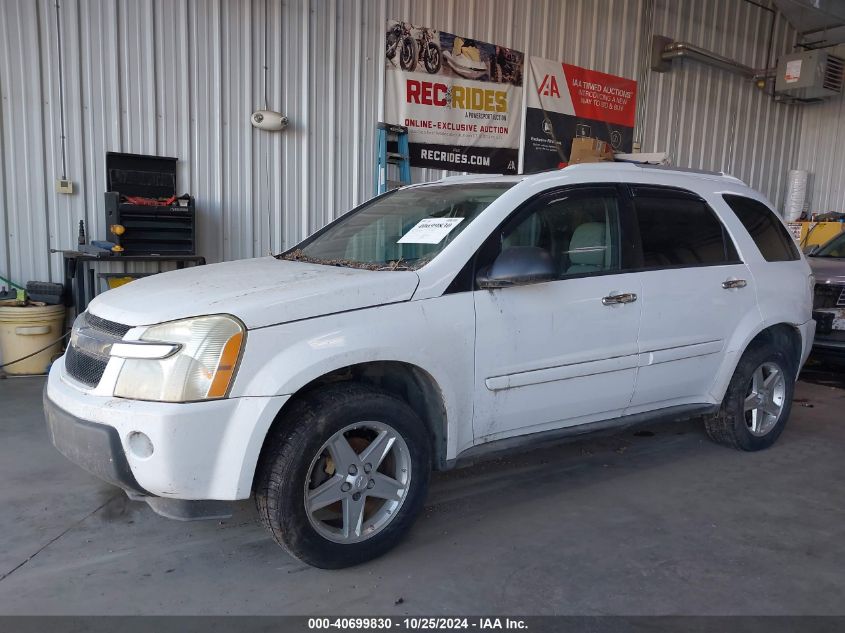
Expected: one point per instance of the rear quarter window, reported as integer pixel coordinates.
(769, 234)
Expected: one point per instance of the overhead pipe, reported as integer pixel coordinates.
(773, 15)
(664, 50)
(674, 50)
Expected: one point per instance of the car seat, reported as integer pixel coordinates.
(588, 250)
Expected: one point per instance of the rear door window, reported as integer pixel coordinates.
(767, 231)
(678, 229)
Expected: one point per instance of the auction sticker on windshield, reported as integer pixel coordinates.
(430, 231)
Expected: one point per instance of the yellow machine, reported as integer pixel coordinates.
(811, 233)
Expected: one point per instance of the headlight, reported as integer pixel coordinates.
(201, 365)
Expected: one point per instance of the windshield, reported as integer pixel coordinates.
(834, 248)
(402, 230)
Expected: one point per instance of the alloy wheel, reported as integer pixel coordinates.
(765, 399)
(357, 482)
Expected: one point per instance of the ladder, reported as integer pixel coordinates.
(401, 158)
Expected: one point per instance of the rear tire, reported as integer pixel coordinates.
(758, 401)
(331, 507)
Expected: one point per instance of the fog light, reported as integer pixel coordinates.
(140, 445)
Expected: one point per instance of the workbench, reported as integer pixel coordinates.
(79, 271)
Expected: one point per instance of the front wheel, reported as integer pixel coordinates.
(432, 58)
(344, 476)
(758, 400)
(408, 54)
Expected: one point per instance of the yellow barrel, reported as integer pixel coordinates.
(26, 330)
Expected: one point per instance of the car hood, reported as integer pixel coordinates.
(260, 292)
(830, 270)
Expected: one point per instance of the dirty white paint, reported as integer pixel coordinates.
(537, 358)
(181, 77)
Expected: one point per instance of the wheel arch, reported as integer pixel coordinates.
(786, 336)
(410, 383)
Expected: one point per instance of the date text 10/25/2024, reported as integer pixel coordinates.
(417, 623)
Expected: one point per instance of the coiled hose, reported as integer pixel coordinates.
(48, 346)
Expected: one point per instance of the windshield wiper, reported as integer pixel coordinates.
(299, 256)
(398, 264)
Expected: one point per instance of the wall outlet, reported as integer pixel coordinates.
(64, 186)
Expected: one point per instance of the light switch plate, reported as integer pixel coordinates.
(64, 186)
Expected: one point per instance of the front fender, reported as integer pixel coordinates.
(437, 335)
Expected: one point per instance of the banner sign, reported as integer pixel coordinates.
(566, 101)
(461, 99)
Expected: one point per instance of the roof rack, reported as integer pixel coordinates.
(689, 170)
(482, 177)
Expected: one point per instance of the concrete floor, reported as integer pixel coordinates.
(662, 524)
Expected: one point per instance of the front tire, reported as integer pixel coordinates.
(432, 58)
(408, 54)
(758, 400)
(343, 476)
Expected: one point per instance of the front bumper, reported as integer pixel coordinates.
(200, 450)
(97, 449)
(94, 447)
(829, 343)
(808, 332)
(830, 346)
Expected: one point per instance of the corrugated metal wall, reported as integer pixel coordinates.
(821, 153)
(712, 119)
(181, 77)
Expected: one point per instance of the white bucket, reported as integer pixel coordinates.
(796, 194)
(26, 330)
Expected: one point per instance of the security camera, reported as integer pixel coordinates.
(268, 120)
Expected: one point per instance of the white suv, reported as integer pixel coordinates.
(427, 327)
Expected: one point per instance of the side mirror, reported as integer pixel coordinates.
(809, 251)
(519, 266)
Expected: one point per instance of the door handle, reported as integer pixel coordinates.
(625, 297)
(730, 284)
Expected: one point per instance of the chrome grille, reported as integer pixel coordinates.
(88, 365)
(117, 330)
(83, 367)
(841, 301)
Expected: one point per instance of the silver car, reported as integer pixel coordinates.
(828, 264)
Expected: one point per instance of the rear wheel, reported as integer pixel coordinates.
(758, 400)
(344, 476)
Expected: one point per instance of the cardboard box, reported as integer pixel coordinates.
(589, 150)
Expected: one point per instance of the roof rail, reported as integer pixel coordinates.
(460, 177)
(469, 177)
(689, 170)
